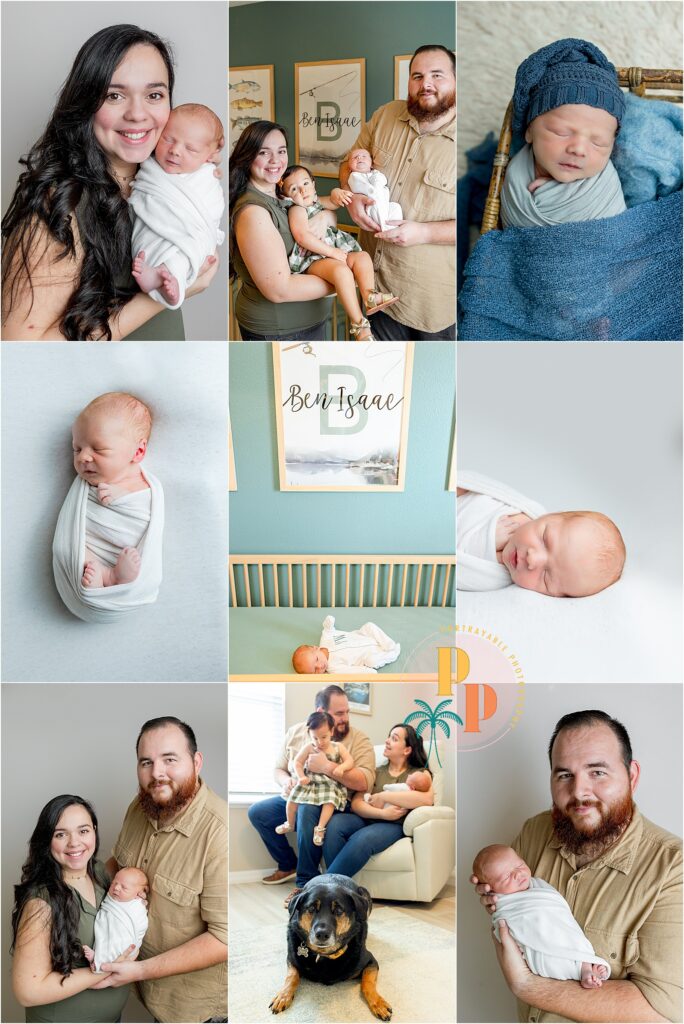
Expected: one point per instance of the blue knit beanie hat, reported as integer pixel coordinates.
(567, 71)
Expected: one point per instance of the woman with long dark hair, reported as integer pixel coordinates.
(66, 261)
(383, 815)
(62, 886)
(272, 302)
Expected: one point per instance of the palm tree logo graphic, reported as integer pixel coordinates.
(437, 718)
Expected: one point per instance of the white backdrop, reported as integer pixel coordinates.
(183, 635)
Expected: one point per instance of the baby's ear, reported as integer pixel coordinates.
(140, 450)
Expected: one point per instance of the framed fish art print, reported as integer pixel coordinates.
(251, 97)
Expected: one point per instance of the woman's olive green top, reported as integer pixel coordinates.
(88, 1007)
(252, 310)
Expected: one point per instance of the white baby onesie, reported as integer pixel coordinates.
(118, 925)
(374, 185)
(357, 650)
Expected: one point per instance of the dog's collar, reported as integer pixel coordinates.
(304, 950)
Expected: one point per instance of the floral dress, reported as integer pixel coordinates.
(322, 789)
(300, 259)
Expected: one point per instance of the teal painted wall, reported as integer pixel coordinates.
(283, 33)
(421, 519)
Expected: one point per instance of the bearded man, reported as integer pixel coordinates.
(621, 875)
(413, 143)
(176, 832)
(266, 814)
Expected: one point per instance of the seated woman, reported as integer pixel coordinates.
(273, 302)
(384, 812)
(66, 259)
(61, 889)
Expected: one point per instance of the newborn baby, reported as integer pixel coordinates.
(358, 650)
(539, 919)
(110, 441)
(417, 782)
(568, 105)
(178, 204)
(121, 920)
(560, 554)
(369, 182)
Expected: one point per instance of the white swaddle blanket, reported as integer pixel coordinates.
(362, 650)
(549, 937)
(374, 185)
(117, 926)
(477, 513)
(556, 202)
(176, 221)
(108, 529)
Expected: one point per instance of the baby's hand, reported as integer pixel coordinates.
(106, 493)
(341, 196)
(89, 954)
(506, 527)
(541, 180)
(340, 255)
(337, 772)
(306, 781)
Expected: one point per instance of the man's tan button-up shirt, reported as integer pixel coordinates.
(357, 743)
(186, 864)
(628, 903)
(421, 175)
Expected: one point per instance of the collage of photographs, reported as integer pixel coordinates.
(401, 450)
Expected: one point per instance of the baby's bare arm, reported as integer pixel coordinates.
(347, 762)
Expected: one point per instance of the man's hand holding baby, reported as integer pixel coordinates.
(517, 974)
(357, 209)
(484, 891)
(404, 233)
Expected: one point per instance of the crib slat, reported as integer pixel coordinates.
(247, 586)
(403, 586)
(445, 588)
(333, 596)
(306, 588)
(432, 584)
(389, 584)
(420, 575)
(261, 585)
(318, 583)
(233, 587)
(363, 573)
(375, 585)
(289, 581)
(346, 586)
(275, 585)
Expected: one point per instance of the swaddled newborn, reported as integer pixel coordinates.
(504, 538)
(121, 921)
(357, 650)
(539, 919)
(568, 104)
(367, 181)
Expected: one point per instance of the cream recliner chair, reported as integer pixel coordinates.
(417, 866)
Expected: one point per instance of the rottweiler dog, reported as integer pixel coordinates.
(326, 941)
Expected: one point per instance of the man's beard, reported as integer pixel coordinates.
(182, 794)
(613, 823)
(340, 731)
(433, 112)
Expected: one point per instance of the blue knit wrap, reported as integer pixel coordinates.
(567, 71)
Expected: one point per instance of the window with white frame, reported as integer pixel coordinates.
(256, 729)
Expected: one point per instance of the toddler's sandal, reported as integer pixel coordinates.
(363, 325)
(284, 828)
(319, 835)
(378, 300)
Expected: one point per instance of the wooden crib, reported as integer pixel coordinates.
(665, 84)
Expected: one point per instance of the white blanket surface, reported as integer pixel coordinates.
(83, 520)
(549, 937)
(118, 925)
(362, 650)
(176, 220)
(477, 513)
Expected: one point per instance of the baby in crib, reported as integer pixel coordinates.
(416, 782)
(367, 181)
(560, 554)
(338, 257)
(121, 920)
(568, 107)
(178, 204)
(355, 651)
(109, 442)
(539, 919)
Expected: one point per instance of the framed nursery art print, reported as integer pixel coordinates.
(401, 71)
(250, 98)
(330, 107)
(342, 414)
(359, 696)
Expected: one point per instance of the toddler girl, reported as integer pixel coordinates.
(338, 259)
(323, 791)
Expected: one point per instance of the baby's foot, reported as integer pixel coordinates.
(284, 828)
(593, 975)
(93, 575)
(127, 566)
(169, 288)
(106, 493)
(148, 277)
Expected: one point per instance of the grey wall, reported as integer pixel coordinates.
(81, 739)
(502, 785)
(39, 43)
(183, 635)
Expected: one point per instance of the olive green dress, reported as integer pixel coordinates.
(252, 310)
(88, 1007)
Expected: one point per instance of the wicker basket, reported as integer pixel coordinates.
(656, 85)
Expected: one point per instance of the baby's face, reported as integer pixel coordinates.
(126, 885)
(360, 161)
(321, 737)
(552, 555)
(299, 187)
(185, 144)
(572, 142)
(104, 446)
(507, 873)
(313, 661)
